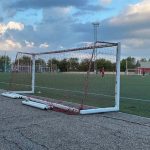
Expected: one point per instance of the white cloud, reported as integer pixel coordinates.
(61, 47)
(141, 7)
(105, 2)
(29, 44)
(10, 45)
(11, 26)
(135, 47)
(81, 44)
(133, 42)
(57, 12)
(131, 27)
(65, 10)
(15, 26)
(143, 33)
(80, 55)
(44, 45)
(133, 14)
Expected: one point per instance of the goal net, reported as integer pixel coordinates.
(68, 76)
(21, 74)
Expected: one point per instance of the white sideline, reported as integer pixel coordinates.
(57, 89)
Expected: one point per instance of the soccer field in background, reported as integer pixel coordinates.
(135, 94)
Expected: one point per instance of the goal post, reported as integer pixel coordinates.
(33, 73)
(74, 82)
(134, 71)
(117, 89)
(23, 68)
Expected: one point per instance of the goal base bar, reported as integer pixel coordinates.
(51, 105)
(42, 104)
(98, 110)
(23, 92)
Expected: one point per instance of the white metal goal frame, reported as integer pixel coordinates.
(135, 71)
(98, 44)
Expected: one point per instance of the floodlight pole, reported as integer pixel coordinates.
(95, 25)
(5, 62)
(126, 66)
(51, 66)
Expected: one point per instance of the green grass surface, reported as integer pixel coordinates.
(137, 88)
(72, 87)
(135, 93)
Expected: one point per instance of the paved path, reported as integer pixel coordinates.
(27, 128)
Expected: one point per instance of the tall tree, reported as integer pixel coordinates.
(73, 64)
(24, 60)
(5, 63)
(53, 64)
(143, 60)
(138, 63)
(84, 65)
(131, 62)
(107, 64)
(40, 62)
(63, 65)
(123, 65)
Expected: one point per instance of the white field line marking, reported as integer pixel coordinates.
(135, 99)
(97, 94)
(73, 91)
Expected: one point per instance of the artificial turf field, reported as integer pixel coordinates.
(135, 94)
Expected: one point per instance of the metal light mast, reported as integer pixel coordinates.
(95, 26)
(5, 63)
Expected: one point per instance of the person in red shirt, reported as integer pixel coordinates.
(102, 72)
(143, 72)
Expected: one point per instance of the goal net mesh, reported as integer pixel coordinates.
(135, 71)
(70, 77)
(21, 73)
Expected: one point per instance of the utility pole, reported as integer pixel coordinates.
(51, 66)
(126, 67)
(95, 26)
(5, 62)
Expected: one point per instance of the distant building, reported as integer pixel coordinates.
(144, 68)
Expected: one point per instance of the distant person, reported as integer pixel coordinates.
(143, 72)
(102, 72)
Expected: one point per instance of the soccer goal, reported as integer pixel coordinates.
(134, 71)
(67, 77)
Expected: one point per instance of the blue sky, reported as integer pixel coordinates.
(34, 25)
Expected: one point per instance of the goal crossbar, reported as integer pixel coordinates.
(97, 44)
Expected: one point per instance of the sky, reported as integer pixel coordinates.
(38, 26)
